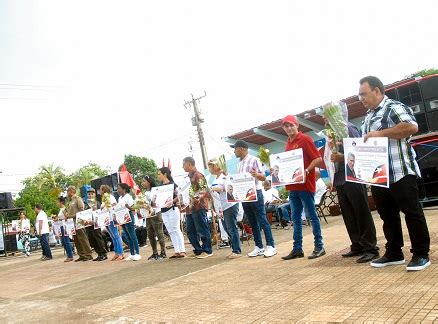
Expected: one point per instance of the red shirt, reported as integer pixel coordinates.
(310, 153)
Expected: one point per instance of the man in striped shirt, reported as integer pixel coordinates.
(255, 211)
(393, 119)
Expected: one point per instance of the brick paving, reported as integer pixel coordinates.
(258, 290)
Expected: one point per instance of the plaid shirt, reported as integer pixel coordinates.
(198, 189)
(249, 163)
(388, 114)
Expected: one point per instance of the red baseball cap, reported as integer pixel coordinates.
(289, 119)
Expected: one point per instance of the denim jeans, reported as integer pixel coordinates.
(256, 214)
(230, 218)
(129, 229)
(198, 227)
(44, 240)
(300, 200)
(283, 212)
(66, 243)
(115, 237)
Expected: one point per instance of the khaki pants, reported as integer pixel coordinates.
(155, 229)
(81, 243)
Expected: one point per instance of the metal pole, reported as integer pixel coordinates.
(200, 133)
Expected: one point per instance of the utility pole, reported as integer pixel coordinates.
(197, 120)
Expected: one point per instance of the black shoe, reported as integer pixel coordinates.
(352, 254)
(224, 245)
(89, 258)
(367, 257)
(316, 253)
(153, 257)
(417, 264)
(162, 255)
(294, 255)
(80, 259)
(104, 257)
(97, 258)
(385, 261)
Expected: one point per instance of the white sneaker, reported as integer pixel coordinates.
(256, 252)
(270, 251)
(130, 258)
(136, 257)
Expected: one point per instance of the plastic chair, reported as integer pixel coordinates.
(320, 207)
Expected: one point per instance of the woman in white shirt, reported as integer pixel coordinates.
(111, 228)
(125, 200)
(171, 217)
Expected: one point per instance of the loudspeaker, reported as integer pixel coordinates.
(422, 123)
(432, 118)
(111, 180)
(5, 200)
(429, 88)
(11, 243)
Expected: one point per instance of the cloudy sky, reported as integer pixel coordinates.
(88, 81)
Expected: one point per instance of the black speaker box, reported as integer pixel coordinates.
(11, 243)
(429, 88)
(5, 200)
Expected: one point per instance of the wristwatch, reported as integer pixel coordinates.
(307, 171)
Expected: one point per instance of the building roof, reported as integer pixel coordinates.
(355, 110)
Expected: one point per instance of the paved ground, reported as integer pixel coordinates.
(329, 289)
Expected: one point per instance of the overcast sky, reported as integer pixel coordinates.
(88, 81)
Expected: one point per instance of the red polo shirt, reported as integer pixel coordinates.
(310, 153)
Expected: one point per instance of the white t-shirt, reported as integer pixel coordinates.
(220, 182)
(319, 191)
(270, 195)
(43, 217)
(126, 199)
(61, 213)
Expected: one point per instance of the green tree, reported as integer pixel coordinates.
(139, 167)
(423, 73)
(87, 173)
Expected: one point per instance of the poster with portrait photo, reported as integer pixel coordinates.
(84, 218)
(368, 162)
(120, 215)
(241, 188)
(56, 226)
(183, 183)
(162, 196)
(69, 227)
(101, 218)
(287, 167)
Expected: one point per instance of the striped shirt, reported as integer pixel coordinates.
(249, 163)
(388, 114)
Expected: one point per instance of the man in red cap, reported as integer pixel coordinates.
(301, 196)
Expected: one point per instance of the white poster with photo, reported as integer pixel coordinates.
(120, 215)
(162, 196)
(183, 183)
(241, 188)
(25, 225)
(145, 213)
(56, 226)
(101, 218)
(84, 218)
(69, 227)
(368, 162)
(287, 167)
(15, 226)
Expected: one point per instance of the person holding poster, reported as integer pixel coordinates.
(154, 222)
(229, 210)
(65, 240)
(125, 200)
(95, 234)
(353, 200)
(301, 195)
(171, 215)
(196, 212)
(109, 201)
(75, 205)
(255, 211)
(42, 230)
(396, 121)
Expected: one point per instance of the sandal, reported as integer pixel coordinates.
(120, 258)
(175, 256)
(115, 257)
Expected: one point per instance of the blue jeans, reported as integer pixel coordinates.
(66, 243)
(256, 214)
(283, 212)
(300, 200)
(44, 240)
(230, 218)
(198, 227)
(129, 229)
(115, 237)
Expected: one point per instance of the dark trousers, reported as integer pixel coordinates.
(198, 228)
(357, 217)
(402, 196)
(154, 226)
(81, 243)
(142, 235)
(44, 240)
(96, 240)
